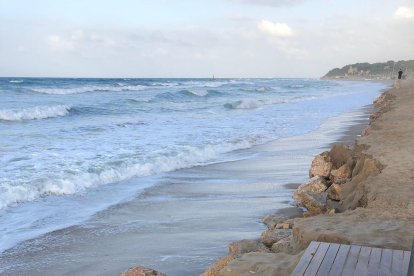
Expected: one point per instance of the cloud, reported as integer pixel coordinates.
(274, 3)
(275, 29)
(404, 13)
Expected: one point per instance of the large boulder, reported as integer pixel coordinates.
(141, 271)
(245, 246)
(321, 166)
(269, 237)
(341, 175)
(315, 185)
(334, 192)
(272, 220)
(316, 203)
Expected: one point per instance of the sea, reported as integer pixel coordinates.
(98, 175)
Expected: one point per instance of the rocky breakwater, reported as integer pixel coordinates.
(333, 175)
(360, 194)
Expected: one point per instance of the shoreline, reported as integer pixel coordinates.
(266, 166)
(373, 208)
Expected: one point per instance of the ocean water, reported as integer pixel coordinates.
(71, 148)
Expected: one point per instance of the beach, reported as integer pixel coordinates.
(375, 206)
(180, 221)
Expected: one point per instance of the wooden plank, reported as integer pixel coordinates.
(386, 261)
(328, 260)
(317, 259)
(397, 263)
(306, 259)
(340, 259)
(406, 262)
(351, 260)
(374, 261)
(363, 259)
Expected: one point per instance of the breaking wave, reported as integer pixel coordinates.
(244, 104)
(68, 183)
(33, 113)
(198, 93)
(85, 89)
(16, 81)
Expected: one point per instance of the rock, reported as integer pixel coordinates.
(284, 245)
(217, 266)
(141, 271)
(272, 220)
(379, 101)
(341, 174)
(283, 226)
(365, 166)
(321, 166)
(310, 214)
(334, 192)
(246, 246)
(331, 212)
(315, 185)
(269, 237)
(313, 202)
(339, 155)
(340, 181)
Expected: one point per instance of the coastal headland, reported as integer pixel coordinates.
(357, 194)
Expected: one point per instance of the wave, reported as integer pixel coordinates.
(33, 113)
(244, 104)
(69, 183)
(198, 93)
(16, 81)
(91, 88)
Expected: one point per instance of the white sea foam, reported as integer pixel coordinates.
(89, 88)
(68, 183)
(16, 81)
(32, 113)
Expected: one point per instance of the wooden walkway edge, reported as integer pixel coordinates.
(321, 258)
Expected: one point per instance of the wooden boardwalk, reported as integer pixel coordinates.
(323, 258)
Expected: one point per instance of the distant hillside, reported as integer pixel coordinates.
(381, 70)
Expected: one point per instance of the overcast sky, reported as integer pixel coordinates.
(199, 38)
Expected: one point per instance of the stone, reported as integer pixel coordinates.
(315, 185)
(283, 226)
(218, 265)
(141, 271)
(313, 202)
(269, 237)
(341, 174)
(245, 246)
(321, 166)
(334, 192)
(272, 220)
(339, 155)
(284, 245)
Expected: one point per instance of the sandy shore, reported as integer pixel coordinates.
(375, 205)
(183, 222)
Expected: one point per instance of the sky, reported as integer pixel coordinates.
(199, 38)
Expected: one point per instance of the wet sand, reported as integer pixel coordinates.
(184, 222)
(375, 206)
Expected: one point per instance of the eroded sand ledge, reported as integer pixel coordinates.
(374, 205)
